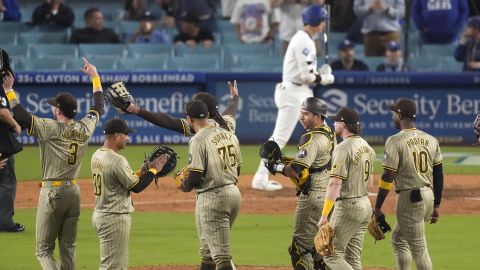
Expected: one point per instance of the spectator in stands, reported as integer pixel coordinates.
(94, 32)
(439, 21)
(191, 34)
(10, 10)
(255, 21)
(166, 10)
(134, 10)
(53, 13)
(393, 59)
(146, 32)
(380, 23)
(468, 50)
(342, 15)
(346, 58)
(227, 8)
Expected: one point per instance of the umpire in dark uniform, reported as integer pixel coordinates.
(8, 147)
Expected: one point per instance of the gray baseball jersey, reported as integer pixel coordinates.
(62, 147)
(352, 163)
(412, 153)
(215, 152)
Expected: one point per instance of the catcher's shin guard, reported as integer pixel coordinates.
(296, 256)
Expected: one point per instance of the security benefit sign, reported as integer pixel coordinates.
(445, 112)
(154, 98)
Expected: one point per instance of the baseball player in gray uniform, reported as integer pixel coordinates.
(311, 167)
(113, 179)
(412, 160)
(352, 169)
(214, 166)
(62, 142)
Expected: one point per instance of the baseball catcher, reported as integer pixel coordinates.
(170, 164)
(117, 94)
(476, 127)
(378, 226)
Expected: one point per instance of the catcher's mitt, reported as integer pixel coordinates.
(324, 240)
(169, 165)
(117, 95)
(271, 154)
(476, 127)
(180, 176)
(378, 226)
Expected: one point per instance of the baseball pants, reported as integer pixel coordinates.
(288, 99)
(307, 214)
(349, 221)
(57, 216)
(113, 229)
(215, 213)
(8, 190)
(409, 231)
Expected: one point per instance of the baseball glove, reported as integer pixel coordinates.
(180, 176)
(117, 95)
(324, 240)
(378, 226)
(169, 165)
(271, 154)
(476, 127)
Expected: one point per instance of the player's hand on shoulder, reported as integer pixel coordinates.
(233, 88)
(89, 68)
(8, 81)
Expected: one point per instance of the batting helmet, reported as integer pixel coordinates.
(315, 105)
(314, 15)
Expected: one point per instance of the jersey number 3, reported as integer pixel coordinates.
(227, 154)
(72, 153)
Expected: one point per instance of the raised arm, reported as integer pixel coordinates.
(23, 117)
(160, 119)
(98, 100)
(232, 107)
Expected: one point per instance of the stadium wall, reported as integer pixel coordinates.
(447, 102)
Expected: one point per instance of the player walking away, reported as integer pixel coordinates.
(310, 171)
(62, 142)
(226, 120)
(214, 166)
(299, 74)
(113, 180)
(412, 158)
(352, 169)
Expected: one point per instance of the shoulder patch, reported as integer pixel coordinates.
(305, 139)
(306, 51)
(302, 153)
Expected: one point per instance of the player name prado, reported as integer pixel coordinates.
(220, 137)
(358, 155)
(75, 135)
(416, 141)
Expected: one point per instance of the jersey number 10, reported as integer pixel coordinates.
(421, 161)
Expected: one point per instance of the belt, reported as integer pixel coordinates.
(296, 83)
(349, 198)
(57, 183)
(408, 189)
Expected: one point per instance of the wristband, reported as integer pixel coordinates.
(385, 185)
(153, 170)
(138, 172)
(97, 84)
(11, 95)
(327, 207)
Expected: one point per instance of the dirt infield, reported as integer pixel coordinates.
(461, 196)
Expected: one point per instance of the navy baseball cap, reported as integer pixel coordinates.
(346, 115)
(474, 22)
(148, 16)
(345, 44)
(117, 126)
(66, 102)
(393, 46)
(196, 109)
(404, 106)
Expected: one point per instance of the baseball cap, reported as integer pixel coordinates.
(148, 16)
(404, 106)
(346, 115)
(474, 22)
(196, 109)
(345, 44)
(393, 46)
(66, 102)
(117, 126)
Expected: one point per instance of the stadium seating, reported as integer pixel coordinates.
(54, 51)
(40, 65)
(42, 38)
(12, 27)
(140, 50)
(8, 38)
(143, 64)
(16, 51)
(425, 64)
(254, 63)
(102, 50)
(182, 50)
(373, 62)
(208, 62)
(438, 50)
(449, 64)
(103, 64)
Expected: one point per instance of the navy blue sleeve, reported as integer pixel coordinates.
(460, 52)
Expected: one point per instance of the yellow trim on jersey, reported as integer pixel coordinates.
(338, 176)
(389, 168)
(438, 163)
(327, 207)
(30, 130)
(410, 129)
(196, 170)
(134, 184)
(385, 185)
(58, 183)
(95, 111)
(183, 126)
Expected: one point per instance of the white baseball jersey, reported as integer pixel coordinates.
(300, 58)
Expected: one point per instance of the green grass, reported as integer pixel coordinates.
(164, 238)
(28, 161)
